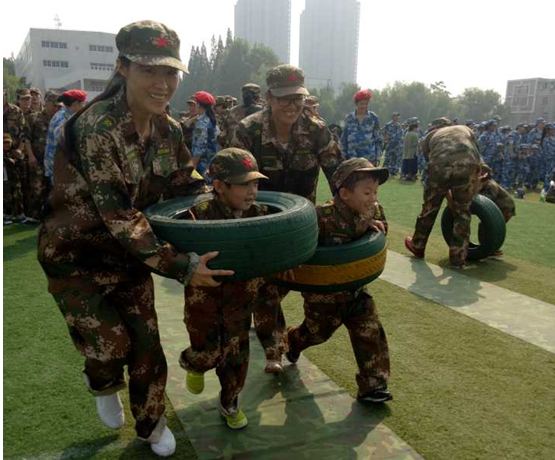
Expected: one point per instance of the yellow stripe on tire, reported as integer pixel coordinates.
(325, 275)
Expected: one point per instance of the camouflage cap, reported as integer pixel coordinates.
(348, 167)
(221, 100)
(313, 101)
(535, 147)
(251, 88)
(524, 146)
(34, 90)
(150, 43)
(540, 120)
(51, 96)
(550, 126)
(496, 118)
(285, 80)
(8, 138)
(23, 92)
(235, 166)
(395, 114)
(441, 122)
(491, 122)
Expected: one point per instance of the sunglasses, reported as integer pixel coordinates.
(286, 102)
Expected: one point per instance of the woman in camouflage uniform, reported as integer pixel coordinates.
(118, 155)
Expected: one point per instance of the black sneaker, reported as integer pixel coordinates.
(292, 357)
(376, 396)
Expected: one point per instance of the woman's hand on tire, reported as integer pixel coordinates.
(204, 276)
(377, 226)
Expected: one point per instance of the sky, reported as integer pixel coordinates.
(473, 43)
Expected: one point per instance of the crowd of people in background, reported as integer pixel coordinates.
(520, 158)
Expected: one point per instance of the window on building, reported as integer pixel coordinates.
(545, 101)
(110, 49)
(50, 44)
(48, 63)
(104, 67)
(521, 90)
(94, 85)
(63, 45)
(92, 47)
(45, 44)
(101, 48)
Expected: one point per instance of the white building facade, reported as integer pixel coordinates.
(67, 59)
(267, 22)
(328, 48)
(531, 98)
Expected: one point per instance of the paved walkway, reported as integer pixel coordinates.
(301, 413)
(521, 316)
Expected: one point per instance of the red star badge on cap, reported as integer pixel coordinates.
(292, 77)
(248, 163)
(161, 42)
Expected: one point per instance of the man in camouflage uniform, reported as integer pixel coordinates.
(487, 143)
(523, 168)
(38, 129)
(36, 103)
(393, 138)
(16, 125)
(220, 110)
(13, 195)
(512, 151)
(96, 246)
(218, 319)
(24, 100)
(339, 224)
(188, 122)
(290, 148)
(251, 104)
(454, 168)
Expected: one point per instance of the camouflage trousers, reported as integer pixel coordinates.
(522, 172)
(462, 181)
(218, 322)
(37, 191)
(509, 172)
(500, 197)
(113, 326)
(324, 315)
(13, 200)
(393, 160)
(269, 322)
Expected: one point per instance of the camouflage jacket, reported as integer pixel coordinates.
(337, 225)
(361, 139)
(488, 145)
(294, 167)
(441, 147)
(188, 126)
(393, 135)
(534, 136)
(234, 116)
(93, 229)
(15, 124)
(38, 130)
(237, 297)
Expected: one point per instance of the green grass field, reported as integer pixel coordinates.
(462, 389)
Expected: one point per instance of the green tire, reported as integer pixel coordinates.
(341, 268)
(492, 232)
(253, 247)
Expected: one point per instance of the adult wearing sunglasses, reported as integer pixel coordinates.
(290, 148)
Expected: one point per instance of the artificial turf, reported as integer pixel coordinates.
(462, 389)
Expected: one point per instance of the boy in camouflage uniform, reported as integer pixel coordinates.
(353, 212)
(454, 165)
(218, 319)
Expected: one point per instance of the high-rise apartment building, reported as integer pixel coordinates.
(67, 59)
(329, 42)
(267, 22)
(529, 99)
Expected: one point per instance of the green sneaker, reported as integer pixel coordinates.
(195, 383)
(237, 421)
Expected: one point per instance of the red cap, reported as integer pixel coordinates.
(76, 94)
(363, 95)
(202, 97)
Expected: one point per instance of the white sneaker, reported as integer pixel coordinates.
(110, 410)
(165, 445)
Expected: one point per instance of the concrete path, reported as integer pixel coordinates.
(301, 413)
(524, 317)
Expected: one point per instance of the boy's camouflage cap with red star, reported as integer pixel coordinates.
(235, 166)
(348, 167)
(285, 80)
(150, 43)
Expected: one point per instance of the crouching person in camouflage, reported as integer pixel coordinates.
(454, 168)
(119, 154)
(218, 319)
(353, 212)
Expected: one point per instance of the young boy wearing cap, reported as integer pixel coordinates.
(353, 212)
(218, 318)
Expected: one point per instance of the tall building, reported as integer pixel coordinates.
(267, 22)
(529, 99)
(329, 42)
(67, 59)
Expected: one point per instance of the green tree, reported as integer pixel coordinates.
(479, 104)
(344, 102)
(11, 82)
